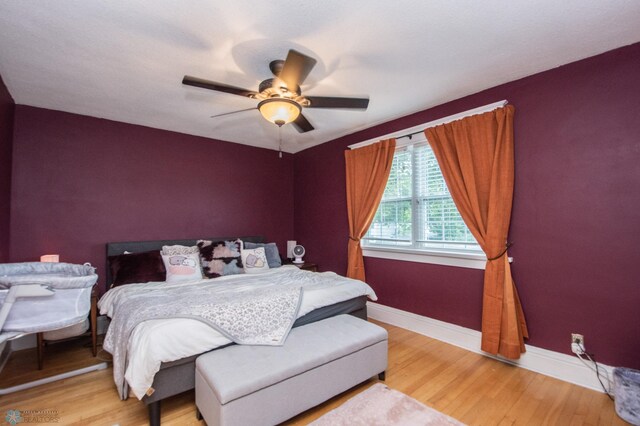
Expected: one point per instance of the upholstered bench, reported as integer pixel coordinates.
(266, 385)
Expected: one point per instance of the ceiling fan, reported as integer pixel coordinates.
(281, 100)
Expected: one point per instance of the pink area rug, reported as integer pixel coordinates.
(382, 406)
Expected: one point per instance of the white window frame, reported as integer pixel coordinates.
(469, 259)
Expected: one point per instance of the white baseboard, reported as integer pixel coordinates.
(25, 342)
(560, 366)
(7, 347)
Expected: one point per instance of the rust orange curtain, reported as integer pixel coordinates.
(368, 170)
(475, 155)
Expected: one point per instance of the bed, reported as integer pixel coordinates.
(176, 372)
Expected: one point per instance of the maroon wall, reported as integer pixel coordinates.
(80, 182)
(7, 107)
(575, 222)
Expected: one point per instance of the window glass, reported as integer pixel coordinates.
(417, 210)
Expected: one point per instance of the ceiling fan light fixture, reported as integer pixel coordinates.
(279, 111)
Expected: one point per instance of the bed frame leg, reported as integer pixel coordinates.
(154, 413)
(382, 376)
(198, 414)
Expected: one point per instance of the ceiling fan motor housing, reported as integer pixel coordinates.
(273, 87)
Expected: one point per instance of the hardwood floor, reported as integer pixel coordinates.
(474, 389)
(58, 358)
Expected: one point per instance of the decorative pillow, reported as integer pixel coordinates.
(254, 261)
(177, 249)
(136, 268)
(220, 257)
(182, 267)
(271, 251)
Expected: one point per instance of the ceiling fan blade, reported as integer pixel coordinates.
(212, 85)
(302, 124)
(333, 102)
(232, 112)
(296, 68)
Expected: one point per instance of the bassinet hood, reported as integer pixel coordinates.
(55, 275)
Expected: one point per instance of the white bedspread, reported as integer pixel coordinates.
(156, 341)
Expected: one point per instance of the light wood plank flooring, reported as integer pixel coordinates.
(474, 389)
(58, 358)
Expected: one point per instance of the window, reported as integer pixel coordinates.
(417, 212)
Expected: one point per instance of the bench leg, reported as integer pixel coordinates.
(382, 376)
(198, 414)
(154, 413)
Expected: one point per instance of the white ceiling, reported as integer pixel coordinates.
(124, 60)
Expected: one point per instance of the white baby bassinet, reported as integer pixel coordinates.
(41, 297)
(69, 304)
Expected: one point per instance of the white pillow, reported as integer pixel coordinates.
(182, 267)
(254, 261)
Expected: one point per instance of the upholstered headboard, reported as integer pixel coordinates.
(142, 246)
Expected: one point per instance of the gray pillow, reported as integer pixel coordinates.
(270, 250)
(178, 250)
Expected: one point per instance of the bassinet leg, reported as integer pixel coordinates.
(94, 320)
(154, 413)
(40, 349)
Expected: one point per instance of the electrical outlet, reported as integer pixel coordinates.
(577, 338)
(577, 343)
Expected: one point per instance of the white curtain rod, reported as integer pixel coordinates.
(420, 128)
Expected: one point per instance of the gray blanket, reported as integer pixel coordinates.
(262, 317)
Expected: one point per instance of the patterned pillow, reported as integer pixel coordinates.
(255, 261)
(178, 249)
(182, 267)
(220, 257)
